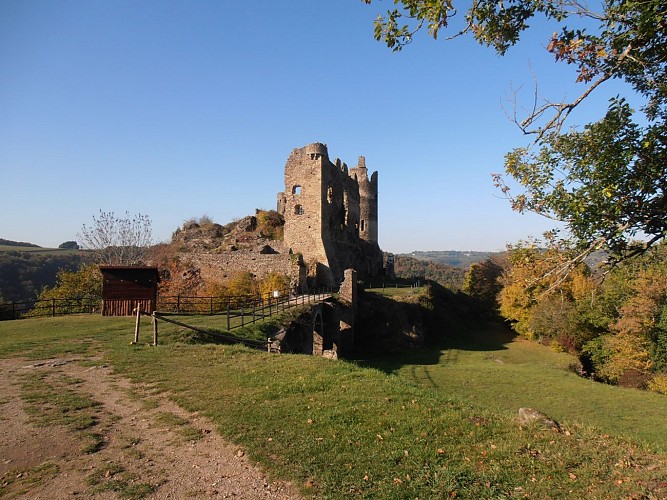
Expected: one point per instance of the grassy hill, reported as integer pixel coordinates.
(435, 422)
(26, 268)
(454, 258)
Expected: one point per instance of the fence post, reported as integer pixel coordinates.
(13, 310)
(270, 312)
(211, 306)
(53, 307)
(178, 304)
(253, 311)
(136, 327)
(242, 316)
(228, 304)
(154, 329)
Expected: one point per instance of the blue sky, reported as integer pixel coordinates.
(177, 109)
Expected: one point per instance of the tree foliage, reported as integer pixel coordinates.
(117, 240)
(607, 181)
(69, 245)
(617, 326)
(86, 282)
(410, 268)
(482, 283)
(23, 275)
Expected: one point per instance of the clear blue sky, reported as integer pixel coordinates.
(176, 109)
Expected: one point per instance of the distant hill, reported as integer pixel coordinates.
(407, 267)
(10, 243)
(453, 258)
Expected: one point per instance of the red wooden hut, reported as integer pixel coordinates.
(126, 288)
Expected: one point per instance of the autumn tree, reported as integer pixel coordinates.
(117, 240)
(606, 181)
(482, 283)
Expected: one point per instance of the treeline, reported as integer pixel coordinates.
(453, 258)
(23, 275)
(10, 243)
(615, 321)
(409, 268)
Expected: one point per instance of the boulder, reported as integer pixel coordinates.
(531, 416)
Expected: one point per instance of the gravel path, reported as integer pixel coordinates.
(148, 446)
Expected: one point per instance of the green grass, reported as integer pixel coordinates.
(431, 424)
(114, 477)
(56, 401)
(493, 370)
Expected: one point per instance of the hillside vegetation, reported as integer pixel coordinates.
(434, 422)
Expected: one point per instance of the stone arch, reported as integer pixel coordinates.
(318, 333)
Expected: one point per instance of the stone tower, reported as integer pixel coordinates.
(330, 215)
(368, 201)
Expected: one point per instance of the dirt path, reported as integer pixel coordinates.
(143, 445)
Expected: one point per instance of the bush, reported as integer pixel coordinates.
(270, 223)
(658, 383)
(69, 245)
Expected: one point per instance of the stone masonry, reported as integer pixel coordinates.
(331, 215)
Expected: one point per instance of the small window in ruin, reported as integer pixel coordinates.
(345, 207)
(363, 224)
(330, 193)
(298, 210)
(296, 190)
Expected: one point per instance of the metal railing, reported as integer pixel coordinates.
(49, 307)
(247, 308)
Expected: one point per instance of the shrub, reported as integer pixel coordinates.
(658, 383)
(270, 223)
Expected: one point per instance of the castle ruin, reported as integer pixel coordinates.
(331, 215)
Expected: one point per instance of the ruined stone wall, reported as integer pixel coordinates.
(220, 267)
(330, 214)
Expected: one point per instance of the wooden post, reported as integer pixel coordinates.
(154, 329)
(178, 304)
(228, 301)
(211, 305)
(136, 326)
(53, 307)
(253, 311)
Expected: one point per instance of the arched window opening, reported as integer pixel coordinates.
(345, 206)
(298, 209)
(296, 190)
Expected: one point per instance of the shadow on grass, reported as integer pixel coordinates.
(450, 323)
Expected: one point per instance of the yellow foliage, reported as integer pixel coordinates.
(244, 285)
(85, 282)
(658, 383)
(627, 352)
(583, 287)
(274, 281)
